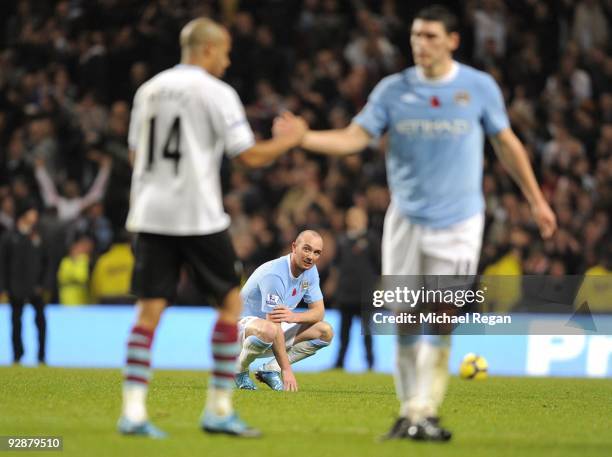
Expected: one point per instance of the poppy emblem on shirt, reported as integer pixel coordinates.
(434, 101)
(294, 293)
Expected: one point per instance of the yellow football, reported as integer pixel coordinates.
(473, 366)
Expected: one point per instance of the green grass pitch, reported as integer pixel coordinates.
(333, 414)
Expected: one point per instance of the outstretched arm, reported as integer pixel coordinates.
(47, 187)
(372, 121)
(264, 152)
(513, 156)
(231, 124)
(96, 192)
(349, 140)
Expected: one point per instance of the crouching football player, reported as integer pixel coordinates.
(269, 325)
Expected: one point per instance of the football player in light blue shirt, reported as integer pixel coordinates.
(270, 326)
(436, 115)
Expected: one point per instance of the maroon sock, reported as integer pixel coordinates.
(225, 349)
(138, 365)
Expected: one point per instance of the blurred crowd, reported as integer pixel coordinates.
(69, 70)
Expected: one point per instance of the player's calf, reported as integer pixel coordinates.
(137, 374)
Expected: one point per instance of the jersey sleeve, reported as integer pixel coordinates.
(232, 123)
(374, 117)
(494, 116)
(135, 121)
(271, 288)
(313, 293)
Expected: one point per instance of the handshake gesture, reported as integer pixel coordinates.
(290, 126)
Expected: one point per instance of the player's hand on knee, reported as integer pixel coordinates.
(281, 314)
(289, 381)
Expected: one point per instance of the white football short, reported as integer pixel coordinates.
(411, 249)
(289, 329)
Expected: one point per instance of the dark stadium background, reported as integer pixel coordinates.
(69, 70)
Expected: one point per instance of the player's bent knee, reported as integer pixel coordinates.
(266, 331)
(326, 331)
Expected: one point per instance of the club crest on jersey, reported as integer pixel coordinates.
(272, 300)
(305, 285)
(462, 98)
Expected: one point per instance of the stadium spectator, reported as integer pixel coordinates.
(356, 268)
(570, 81)
(591, 28)
(595, 289)
(24, 275)
(7, 213)
(371, 50)
(72, 203)
(74, 273)
(489, 30)
(112, 273)
(16, 165)
(96, 226)
(92, 116)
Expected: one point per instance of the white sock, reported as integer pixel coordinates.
(219, 401)
(134, 402)
(405, 372)
(297, 352)
(421, 405)
(252, 347)
(440, 376)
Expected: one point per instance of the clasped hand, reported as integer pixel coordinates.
(281, 314)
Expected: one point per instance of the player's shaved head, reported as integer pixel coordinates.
(305, 251)
(308, 235)
(207, 44)
(201, 32)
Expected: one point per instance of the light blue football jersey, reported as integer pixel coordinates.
(436, 138)
(273, 284)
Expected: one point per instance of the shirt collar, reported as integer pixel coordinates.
(186, 66)
(442, 79)
(289, 266)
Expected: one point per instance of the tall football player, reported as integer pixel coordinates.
(182, 122)
(436, 114)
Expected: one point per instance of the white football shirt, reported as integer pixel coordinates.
(182, 121)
